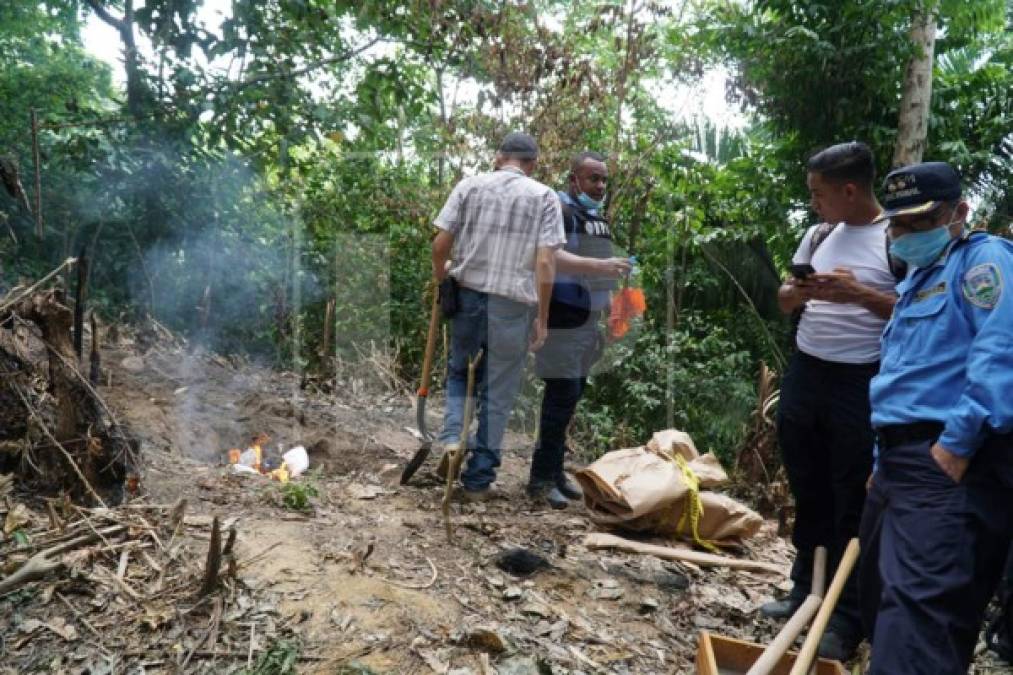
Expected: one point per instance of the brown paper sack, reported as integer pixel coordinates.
(639, 490)
(674, 442)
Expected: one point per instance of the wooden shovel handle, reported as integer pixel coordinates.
(427, 361)
(783, 641)
(812, 641)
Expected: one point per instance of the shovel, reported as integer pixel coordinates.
(807, 654)
(423, 393)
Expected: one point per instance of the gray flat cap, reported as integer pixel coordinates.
(518, 145)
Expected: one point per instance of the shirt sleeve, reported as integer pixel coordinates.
(985, 403)
(802, 254)
(452, 214)
(550, 227)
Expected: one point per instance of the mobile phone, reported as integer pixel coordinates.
(801, 270)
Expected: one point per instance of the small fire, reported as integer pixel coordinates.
(253, 456)
(281, 473)
(293, 463)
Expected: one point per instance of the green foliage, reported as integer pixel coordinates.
(297, 495)
(281, 658)
(250, 173)
(693, 377)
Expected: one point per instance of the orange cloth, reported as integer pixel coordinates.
(627, 304)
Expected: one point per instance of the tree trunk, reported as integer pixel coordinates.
(912, 127)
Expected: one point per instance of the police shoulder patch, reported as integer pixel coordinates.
(982, 285)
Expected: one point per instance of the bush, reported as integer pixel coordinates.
(696, 379)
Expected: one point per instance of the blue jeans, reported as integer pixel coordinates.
(500, 327)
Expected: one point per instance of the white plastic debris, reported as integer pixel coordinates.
(296, 460)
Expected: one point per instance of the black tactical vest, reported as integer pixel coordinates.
(593, 240)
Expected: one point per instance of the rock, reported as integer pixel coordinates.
(534, 609)
(513, 593)
(708, 622)
(609, 593)
(518, 665)
(132, 364)
(671, 581)
(647, 605)
(486, 639)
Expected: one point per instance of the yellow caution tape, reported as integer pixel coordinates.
(693, 510)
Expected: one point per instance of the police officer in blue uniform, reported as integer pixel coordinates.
(939, 513)
(586, 270)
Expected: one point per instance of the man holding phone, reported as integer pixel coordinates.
(843, 285)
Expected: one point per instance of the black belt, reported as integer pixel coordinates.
(893, 435)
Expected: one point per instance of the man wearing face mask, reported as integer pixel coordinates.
(586, 271)
(939, 514)
(823, 426)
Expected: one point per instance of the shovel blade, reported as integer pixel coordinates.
(417, 460)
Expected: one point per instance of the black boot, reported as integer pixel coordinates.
(782, 609)
(548, 491)
(840, 641)
(569, 488)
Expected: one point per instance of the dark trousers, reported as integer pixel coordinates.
(559, 402)
(933, 554)
(826, 444)
(563, 363)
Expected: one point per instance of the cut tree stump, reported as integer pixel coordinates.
(67, 439)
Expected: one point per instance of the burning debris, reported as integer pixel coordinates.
(253, 460)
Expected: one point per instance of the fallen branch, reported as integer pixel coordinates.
(600, 540)
(42, 563)
(31, 289)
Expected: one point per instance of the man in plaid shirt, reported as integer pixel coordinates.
(501, 229)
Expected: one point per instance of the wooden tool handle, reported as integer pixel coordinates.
(812, 641)
(427, 362)
(779, 646)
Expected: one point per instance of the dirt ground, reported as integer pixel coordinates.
(365, 576)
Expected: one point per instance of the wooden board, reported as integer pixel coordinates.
(720, 655)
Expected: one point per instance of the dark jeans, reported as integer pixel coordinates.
(826, 444)
(564, 363)
(499, 327)
(933, 554)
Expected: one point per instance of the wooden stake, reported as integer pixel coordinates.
(80, 301)
(325, 349)
(214, 561)
(95, 367)
(455, 455)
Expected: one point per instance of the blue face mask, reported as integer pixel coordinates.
(921, 249)
(590, 204)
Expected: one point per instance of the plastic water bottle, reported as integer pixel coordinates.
(634, 277)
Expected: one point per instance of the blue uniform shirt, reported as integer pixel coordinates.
(947, 353)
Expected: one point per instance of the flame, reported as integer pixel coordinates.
(281, 474)
(234, 454)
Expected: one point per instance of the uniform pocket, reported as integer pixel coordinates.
(913, 332)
